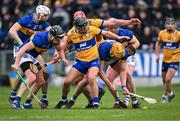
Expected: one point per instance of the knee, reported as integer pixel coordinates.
(168, 80)
(32, 77)
(67, 83)
(91, 79)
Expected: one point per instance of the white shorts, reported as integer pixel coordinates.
(15, 50)
(131, 60)
(27, 57)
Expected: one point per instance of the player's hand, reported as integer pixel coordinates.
(123, 37)
(65, 61)
(125, 90)
(157, 58)
(14, 67)
(56, 57)
(135, 21)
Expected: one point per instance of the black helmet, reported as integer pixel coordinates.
(80, 21)
(57, 31)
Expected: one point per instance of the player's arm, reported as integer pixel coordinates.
(135, 42)
(13, 32)
(112, 35)
(158, 47)
(22, 51)
(63, 47)
(104, 78)
(121, 22)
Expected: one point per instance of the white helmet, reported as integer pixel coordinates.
(42, 10)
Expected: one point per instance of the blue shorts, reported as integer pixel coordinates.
(166, 66)
(83, 67)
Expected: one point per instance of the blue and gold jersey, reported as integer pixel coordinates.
(85, 44)
(40, 43)
(29, 27)
(110, 50)
(170, 43)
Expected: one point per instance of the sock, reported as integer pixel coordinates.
(64, 98)
(28, 101)
(44, 96)
(117, 99)
(74, 98)
(171, 93)
(95, 101)
(90, 101)
(17, 99)
(134, 100)
(126, 99)
(13, 93)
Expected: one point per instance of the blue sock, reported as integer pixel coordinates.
(17, 99)
(134, 100)
(74, 97)
(44, 96)
(28, 101)
(13, 93)
(64, 98)
(95, 101)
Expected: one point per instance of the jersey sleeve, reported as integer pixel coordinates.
(36, 40)
(96, 31)
(126, 32)
(23, 21)
(46, 25)
(159, 36)
(96, 22)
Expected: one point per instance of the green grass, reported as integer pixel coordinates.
(169, 111)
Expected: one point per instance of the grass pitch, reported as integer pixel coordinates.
(157, 112)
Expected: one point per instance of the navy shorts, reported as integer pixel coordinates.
(83, 67)
(166, 66)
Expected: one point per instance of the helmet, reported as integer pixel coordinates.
(80, 21)
(57, 31)
(42, 10)
(80, 14)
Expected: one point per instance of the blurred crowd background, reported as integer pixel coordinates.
(151, 12)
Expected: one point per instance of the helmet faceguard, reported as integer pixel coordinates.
(57, 32)
(80, 24)
(41, 11)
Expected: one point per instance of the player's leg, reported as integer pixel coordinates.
(17, 81)
(82, 83)
(30, 78)
(44, 90)
(131, 86)
(170, 74)
(91, 77)
(35, 88)
(72, 75)
(164, 98)
(111, 73)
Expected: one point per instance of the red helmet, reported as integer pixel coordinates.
(79, 14)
